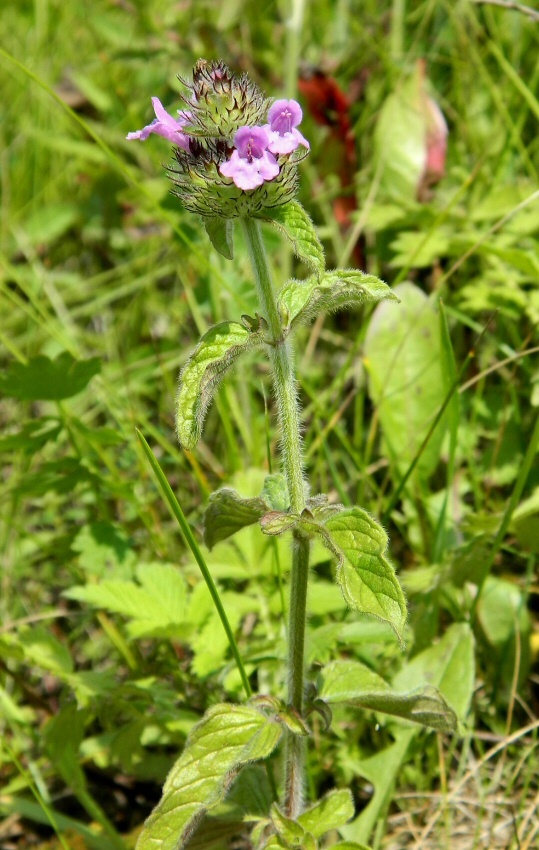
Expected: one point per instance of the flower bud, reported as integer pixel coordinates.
(234, 156)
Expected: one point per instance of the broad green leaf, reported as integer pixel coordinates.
(291, 832)
(103, 549)
(400, 139)
(355, 684)
(216, 352)
(294, 223)
(154, 605)
(406, 381)
(43, 379)
(448, 666)
(502, 611)
(221, 233)
(366, 577)
(301, 301)
(227, 738)
(331, 812)
(275, 492)
(228, 513)
(63, 735)
(349, 845)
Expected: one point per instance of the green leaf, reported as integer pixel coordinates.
(43, 379)
(301, 301)
(366, 577)
(44, 650)
(406, 381)
(291, 832)
(331, 812)
(275, 492)
(156, 606)
(400, 139)
(294, 223)
(221, 231)
(355, 684)
(448, 666)
(227, 738)
(216, 352)
(349, 845)
(228, 513)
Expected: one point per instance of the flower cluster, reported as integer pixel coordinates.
(230, 137)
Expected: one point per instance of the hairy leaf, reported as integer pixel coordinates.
(355, 684)
(227, 738)
(228, 513)
(331, 812)
(277, 522)
(275, 492)
(366, 577)
(294, 223)
(221, 230)
(301, 301)
(291, 832)
(216, 352)
(43, 379)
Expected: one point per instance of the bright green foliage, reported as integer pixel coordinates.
(366, 577)
(331, 812)
(221, 233)
(293, 222)
(401, 138)
(228, 513)
(448, 666)
(45, 379)
(291, 833)
(406, 381)
(226, 739)
(354, 683)
(155, 606)
(216, 352)
(275, 492)
(301, 301)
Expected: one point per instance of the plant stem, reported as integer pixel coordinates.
(284, 381)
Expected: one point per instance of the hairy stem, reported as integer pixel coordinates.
(284, 381)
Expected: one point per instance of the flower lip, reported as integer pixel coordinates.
(251, 142)
(283, 117)
(251, 163)
(164, 125)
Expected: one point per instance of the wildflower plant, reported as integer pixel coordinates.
(236, 156)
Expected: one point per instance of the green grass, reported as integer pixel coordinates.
(98, 260)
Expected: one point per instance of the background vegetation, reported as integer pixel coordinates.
(109, 646)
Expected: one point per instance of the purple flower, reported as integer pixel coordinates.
(251, 163)
(284, 116)
(165, 125)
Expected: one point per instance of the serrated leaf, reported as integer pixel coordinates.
(294, 223)
(366, 577)
(228, 513)
(216, 352)
(275, 492)
(354, 683)
(221, 232)
(43, 379)
(154, 605)
(301, 301)
(331, 812)
(227, 738)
